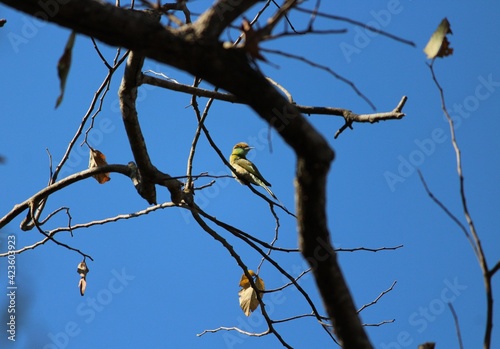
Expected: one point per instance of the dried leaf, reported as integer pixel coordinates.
(247, 295)
(244, 280)
(248, 300)
(82, 285)
(63, 66)
(82, 269)
(438, 45)
(97, 159)
(260, 284)
(251, 40)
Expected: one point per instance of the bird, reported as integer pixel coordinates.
(246, 172)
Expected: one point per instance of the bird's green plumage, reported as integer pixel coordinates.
(247, 172)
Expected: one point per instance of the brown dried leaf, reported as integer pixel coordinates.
(247, 295)
(260, 284)
(244, 280)
(63, 66)
(97, 159)
(251, 40)
(82, 270)
(248, 300)
(82, 285)
(438, 45)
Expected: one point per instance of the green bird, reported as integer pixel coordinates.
(246, 172)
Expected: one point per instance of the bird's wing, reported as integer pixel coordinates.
(252, 169)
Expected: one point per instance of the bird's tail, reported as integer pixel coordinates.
(269, 191)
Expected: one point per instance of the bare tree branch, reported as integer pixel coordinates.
(44, 193)
(378, 298)
(128, 95)
(326, 69)
(368, 249)
(358, 23)
(242, 265)
(349, 116)
(72, 228)
(448, 213)
(457, 326)
(148, 173)
(475, 241)
(383, 322)
(246, 333)
(371, 118)
(213, 21)
(47, 236)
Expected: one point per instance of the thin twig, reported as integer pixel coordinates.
(457, 326)
(289, 283)
(72, 228)
(358, 23)
(47, 191)
(276, 234)
(246, 333)
(380, 323)
(368, 249)
(201, 121)
(378, 298)
(249, 241)
(324, 68)
(242, 265)
(295, 317)
(448, 213)
(475, 241)
(99, 53)
(35, 221)
(347, 114)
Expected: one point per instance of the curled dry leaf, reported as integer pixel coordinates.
(438, 45)
(82, 270)
(82, 285)
(251, 40)
(63, 66)
(97, 159)
(247, 295)
(244, 280)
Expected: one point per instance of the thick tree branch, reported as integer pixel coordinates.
(351, 117)
(347, 114)
(63, 183)
(128, 95)
(214, 20)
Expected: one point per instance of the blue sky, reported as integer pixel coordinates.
(158, 280)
